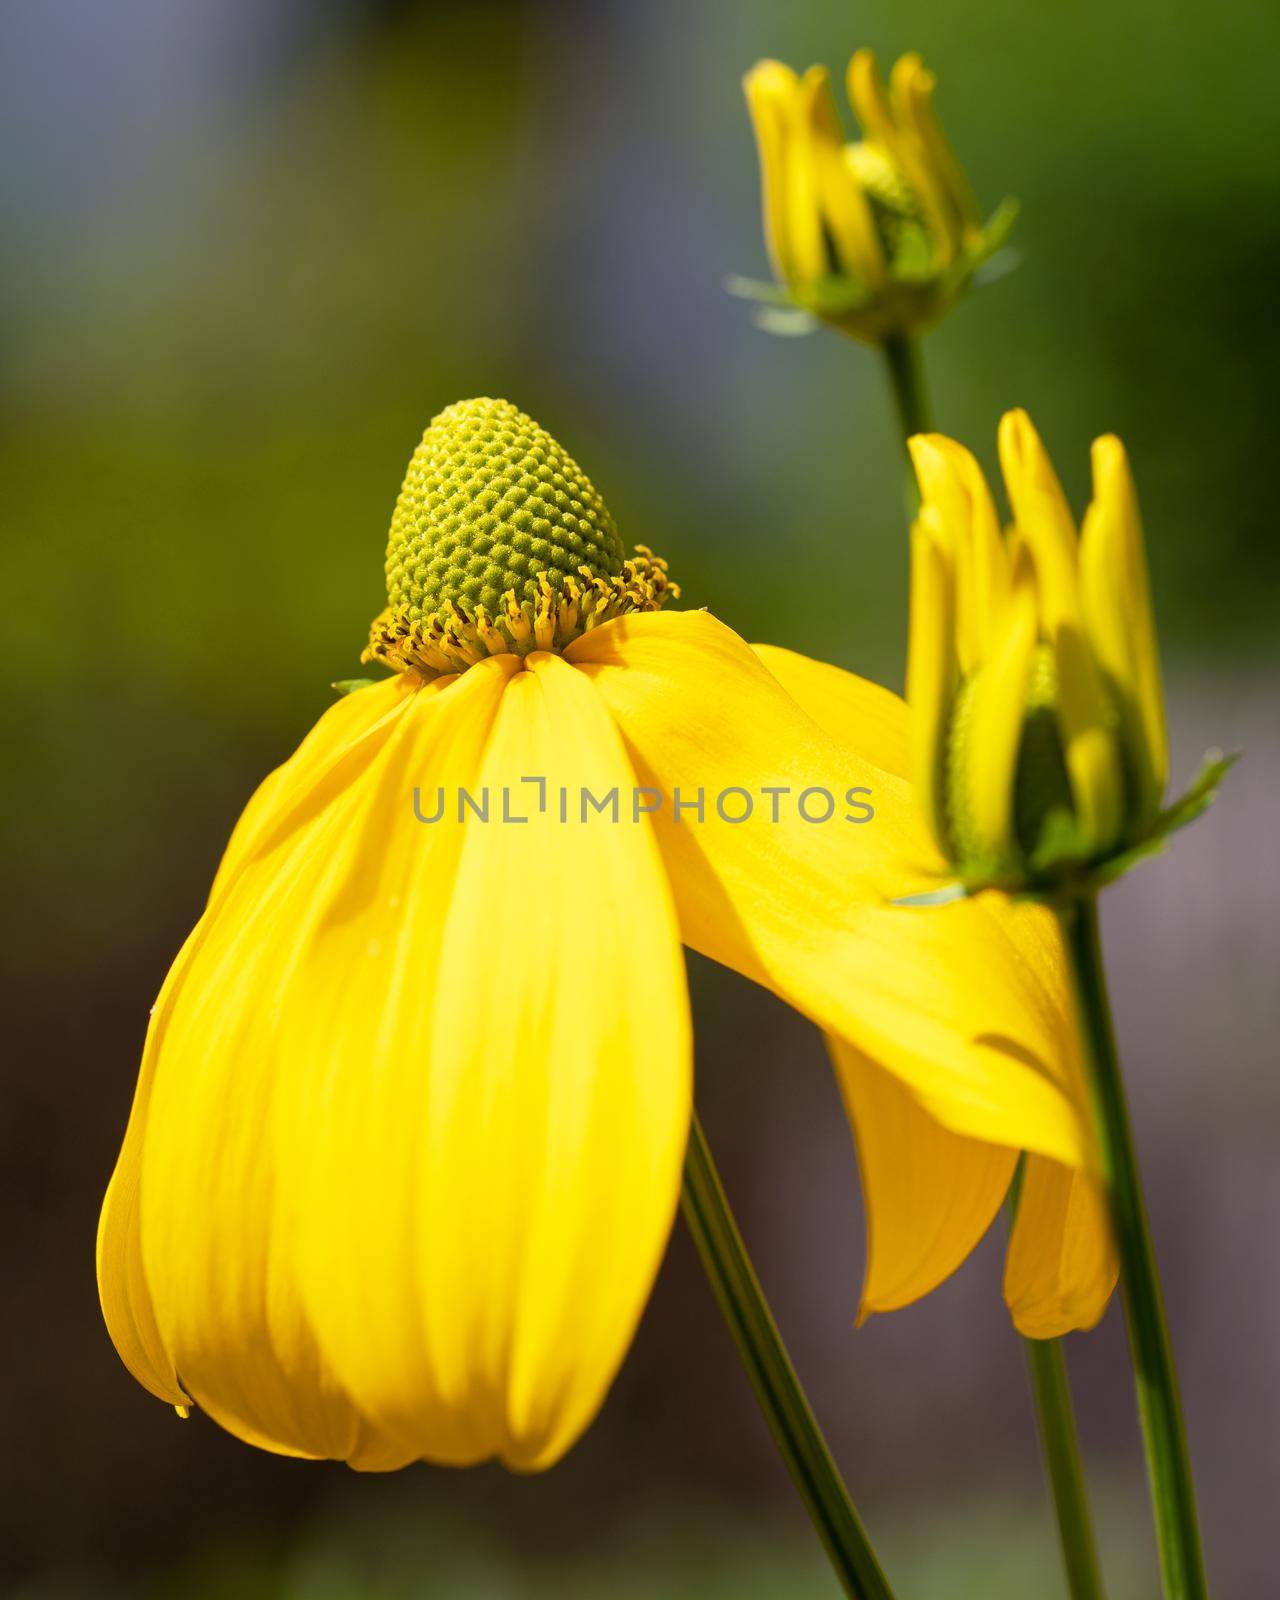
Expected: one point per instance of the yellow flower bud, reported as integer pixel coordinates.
(1033, 673)
(877, 237)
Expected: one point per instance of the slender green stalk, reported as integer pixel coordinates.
(795, 1431)
(1060, 1447)
(1168, 1464)
(911, 400)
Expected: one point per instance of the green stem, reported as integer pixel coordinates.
(1168, 1464)
(1060, 1447)
(795, 1431)
(911, 400)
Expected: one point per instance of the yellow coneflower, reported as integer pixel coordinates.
(407, 1139)
(878, 236)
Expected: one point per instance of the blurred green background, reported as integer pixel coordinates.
(251, 250)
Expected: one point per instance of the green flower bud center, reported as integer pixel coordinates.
(895, 206)
(490, 504)
(1041, 785)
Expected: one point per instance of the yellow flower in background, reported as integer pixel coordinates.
(1033, 672)
(407, 1138)
(877, 236)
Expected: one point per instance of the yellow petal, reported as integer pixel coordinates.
(769, 87)
(951, 1000)
(1043, 519)
(123, 1288)
(874, 720)
(498, 1179)
(1045, 524)
(911, 88)
(931, 667)
(869, 99)
(952, 482)
(263, 1017)
(914, 89)
(122, 1284)
(331, 754)
(1061, 1265)
(882, 123)
(788, 172)
(929, 1194)
(1120, 621)
(844, 206)
(1089, 743)
(997, 712)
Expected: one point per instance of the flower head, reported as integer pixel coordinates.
(1033, 672)
(407, 1138)
(879, 236)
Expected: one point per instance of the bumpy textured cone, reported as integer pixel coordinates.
(490, 502)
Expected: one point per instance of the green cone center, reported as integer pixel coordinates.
(489, 504)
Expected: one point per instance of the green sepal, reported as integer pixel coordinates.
(769, 294)
(790, 312)
(1194, 803)
(833, 297)
(350, 685)
(997, 266)
(1072, 881)
(776, 309)
(788, 323)
(944, 896)
(913, 261)
(1061, 844)
(968, 265)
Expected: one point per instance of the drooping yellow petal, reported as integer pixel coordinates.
(931, 666)
(1061, 1266)
(871, 718)
(264, 1016)
(951, 1000)
(1120, 621)
(952, 482)
(494, 1187)
(122, 1283)
(929, 1194)
(927, 1191)
(329, 757)
(315, 769)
